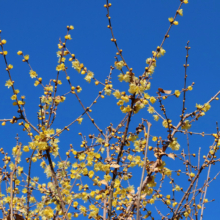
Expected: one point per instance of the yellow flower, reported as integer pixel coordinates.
(185, 1)
(117, 94)
(170, 20)
(120, 77)
(79, 120)
(192, 175)
(174, 145)
(150, 109)
(48, 212)
(152, 100)
(165, 123)
(119, 65)
(132, 88)
(60, 67)
(125, 98)
(107, 177)
(19, 52)
(186, 214)
(78, 89)
(71, 27)
(82, 209)
(25, 148)
(68, 37)
(190, 88)
(3, 41)
(199, 206)
(175, 22)
(9, 83)
(33, 74)
(14, 97)
(186, 125)
(198, 106)
(24, 190)
(177, 188)
(177, 93)
(89, 76)
(180, 12)
(167, 171)
(154, 139)
(159, 54)
(156, 117)
(10, 66)
(205, 200)
(26, 57)
(16, 91)
(36, 83)
(206, 107)
(127, 77)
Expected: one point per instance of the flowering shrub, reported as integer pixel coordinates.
(116, 172)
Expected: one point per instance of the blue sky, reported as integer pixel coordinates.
(139, 27)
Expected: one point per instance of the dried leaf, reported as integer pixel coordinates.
(164, 91)
(115, 166)
(171, 155)
(167, 91)
(104, 182)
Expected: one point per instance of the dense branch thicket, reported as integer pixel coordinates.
(94, 180)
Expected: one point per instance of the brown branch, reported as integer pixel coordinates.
(118, 160)
(56, 183)
(143, 170)
(11, 180)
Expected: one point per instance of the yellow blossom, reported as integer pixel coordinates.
(180, 12)
(165, 123)
(177, 93)
(19, 52)
(150, 109)
(9, 83)
(68, 37)
(177, 188)
(156, 117)
(10, 66)
(89, 76)
(119, 65)
(174, 204)
(34, 159)
(26, 57)
(206, 107)
(3, 41)
(117, 94)
(14, 97)
(36, 83)
(25, 148)
(174, 145)
(186, 125)
(167, 171)
(192, 175)
(190, 88)
(171, 20)
(152, 100)
(79, 120)
(33, 74)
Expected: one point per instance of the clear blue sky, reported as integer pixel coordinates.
(139, 27)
